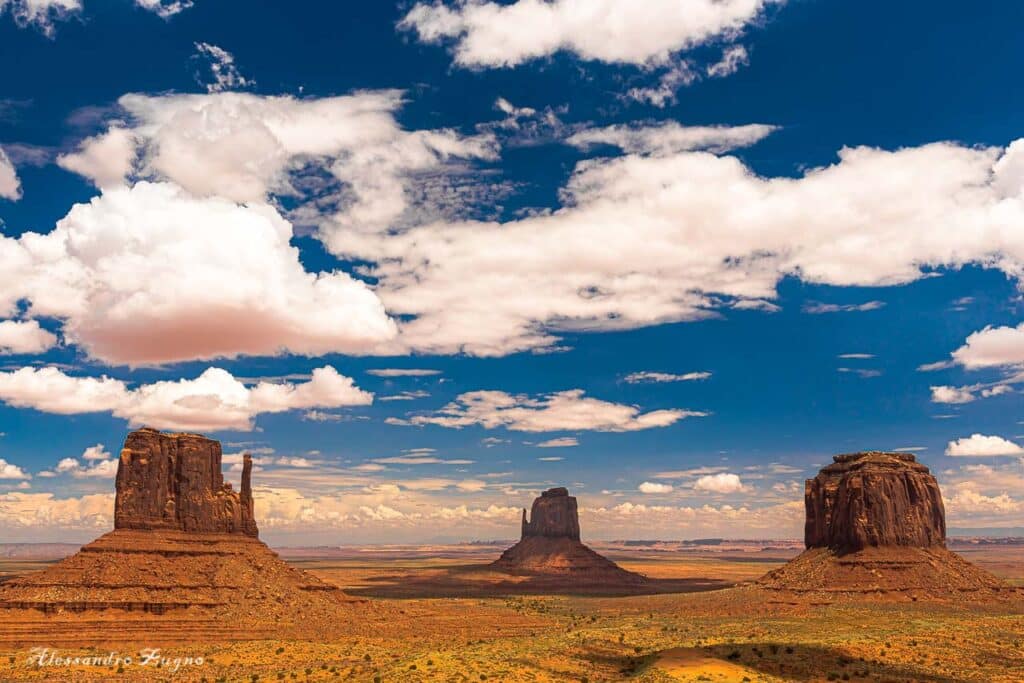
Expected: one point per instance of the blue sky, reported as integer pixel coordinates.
(674, 258)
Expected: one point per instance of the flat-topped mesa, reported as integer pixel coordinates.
(554, 514)
(874, 499)
(174, 482)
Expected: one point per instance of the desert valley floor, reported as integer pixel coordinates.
(438, 614)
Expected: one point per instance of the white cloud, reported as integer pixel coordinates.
(40, 13)
(488, 34)
(405, 396)
(723, 482)
(861, 372)
(223, 71)
(10, 186)
(9, 471)
(659, 377)
(213, 401)
(733, 57)
(551, 458)
(97, 452)
(670, 137)
(561, 442)
(651, 487)
(31, 512)
(164, 8)
(818, 308)
(24, 337)
(412, 459)
(966, 394)
(207, 278)
(967, 502)
(402, 372)
(979, 445)
(565, 410)
(643, 240)
(105, 159)
(679, 75)
(992, 347)
(857, 356)
(243, 147)
(101, 469)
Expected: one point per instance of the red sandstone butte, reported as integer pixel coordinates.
(876, 526)
(184, 558)
(550, 546)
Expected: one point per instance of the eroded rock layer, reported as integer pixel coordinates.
(551, 546)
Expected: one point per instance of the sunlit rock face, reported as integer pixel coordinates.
(174, 482)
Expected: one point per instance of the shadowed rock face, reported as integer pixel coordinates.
(174, 482)
(874, 499)
(554, 514)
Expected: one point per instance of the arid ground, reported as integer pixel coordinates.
(448, 618)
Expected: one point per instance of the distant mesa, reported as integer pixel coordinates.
(185, 545)
(550, 546)
(876, 524)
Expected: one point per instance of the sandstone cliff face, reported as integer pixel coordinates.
(174, 482)
(874, 499)
(554, 514)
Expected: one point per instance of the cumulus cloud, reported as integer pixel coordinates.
(652, 487)
(980, 445)
(39, 13)
(223, 71)
(491, 35)
(95, 467)
(24, 338)
(213, 401)
(97, 452)
(207, 278)
(565, 410)
(28, 513)
(9, 471)
(648, 239)
(967, 502)
(244, 147)
(105, 159)
(10, 186)
(670, 137)
(992, 347)
(966, 394)
(723, 482)
(659, 377)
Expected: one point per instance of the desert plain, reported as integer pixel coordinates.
(439, 613)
